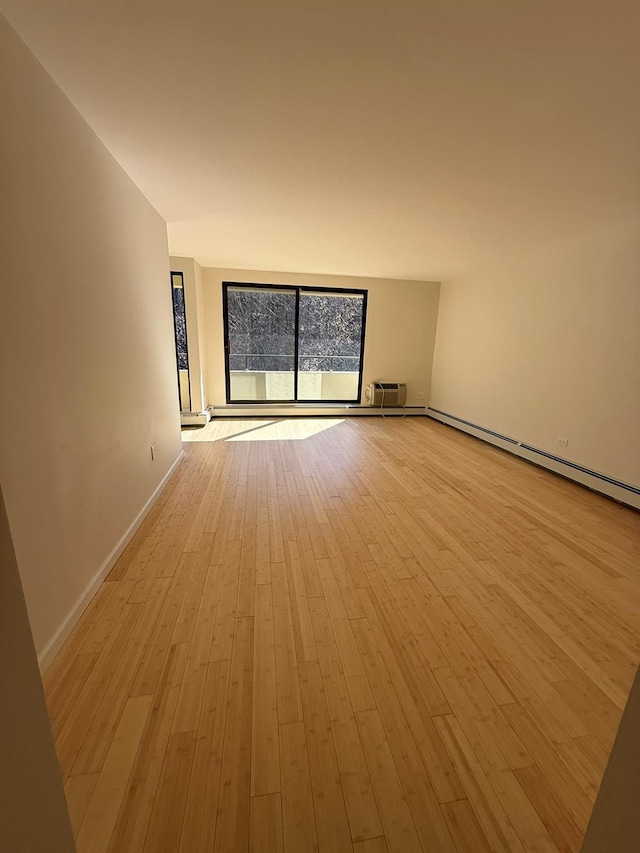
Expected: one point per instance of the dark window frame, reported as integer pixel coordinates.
(297, 289)
(179, 274)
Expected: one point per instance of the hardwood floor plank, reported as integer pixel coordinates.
(287, 683)
(226, 576)
(398, 709)
(488, 731)
(298, 818)
(232, 829)
(78, 791)
(489, 810)
(133, 819)
(157, 649)
(464, 827)
(362, 811)
(575, 800)
(332, 824)
(102, 811)
(559, 825)
(302, 629)
(263, 547)
(371, 845)
(415, 774)
(104, 723)
(165, 826)
(91, 618)
(60, 702)
(192, 688)
(399, 829)
(197, 564)
(201, 811)
(92, 697)
(265, 751)
(102, 627)
(266, 834)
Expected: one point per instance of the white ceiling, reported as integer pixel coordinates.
(364, 137)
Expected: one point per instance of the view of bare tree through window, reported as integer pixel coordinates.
(180, 332)
(330, 332)
(261, 330)
(180, 327)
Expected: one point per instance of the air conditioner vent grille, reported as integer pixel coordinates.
(385, 394)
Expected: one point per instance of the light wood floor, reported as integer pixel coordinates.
(365, 635)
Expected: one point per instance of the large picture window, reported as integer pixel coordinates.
(293, 344)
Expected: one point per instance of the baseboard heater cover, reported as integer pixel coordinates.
(475, 426)
(195, 418)
(294, 410)
(617, 489)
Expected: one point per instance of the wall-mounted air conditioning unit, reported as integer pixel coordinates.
(385, 394)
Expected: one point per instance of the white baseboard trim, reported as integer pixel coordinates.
(623, 492)
(51, 648)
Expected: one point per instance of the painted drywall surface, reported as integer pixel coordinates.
(33, 811)
(549, 348)
(86, 343)
(615, 821)
(202, 354)
(400, 330)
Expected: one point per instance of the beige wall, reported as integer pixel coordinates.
(33, 811)
(549, 347)
(202, 353)
(400, 333)
(89, 377)
(615, 821)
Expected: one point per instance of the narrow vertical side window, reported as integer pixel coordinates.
(180, 331)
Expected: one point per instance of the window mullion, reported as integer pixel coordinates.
(295, 347)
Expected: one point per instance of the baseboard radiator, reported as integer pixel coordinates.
(300, 410)
(188, 418)
(623, 492)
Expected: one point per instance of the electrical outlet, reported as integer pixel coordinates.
(563, 441)
(153, 451)
(420, 395)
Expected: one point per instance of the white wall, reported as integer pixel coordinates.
(86, 343)
(615, 820)
(202, 351)
(549, 347)
(33, 811)
(400, 330)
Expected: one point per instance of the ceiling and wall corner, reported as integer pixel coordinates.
(406, 140)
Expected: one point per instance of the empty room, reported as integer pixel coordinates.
(319, 426)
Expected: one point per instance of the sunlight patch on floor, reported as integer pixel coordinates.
(294, 429)
(290, 429)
